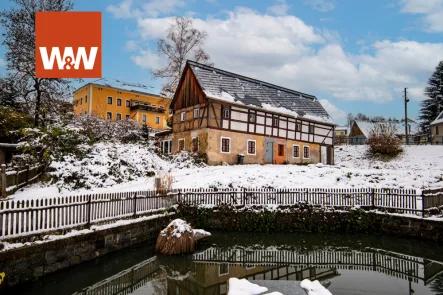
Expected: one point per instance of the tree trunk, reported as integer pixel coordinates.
(37, 106)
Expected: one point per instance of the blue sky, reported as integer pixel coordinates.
(354, 55)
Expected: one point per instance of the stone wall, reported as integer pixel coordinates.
(32, 262)
(315, 220)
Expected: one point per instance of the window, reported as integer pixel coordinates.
(144, 118)
(119, 117)
(182, 116)
(298, 127)
(296, 151)
(195, 142)
(196, 113)
(275, 122)
(226, 145)
(128, 117)
(181, 145)
(311, 129)
(157, 120)
(281, 150)
(226, 113)
(167, 146)
(109, 116)
(81, 100)
(223, 269)
(109, 100)
(436, 130)
(251, 147)
(86, 112)
(119, 101)
(306, 152)
(128, 103)
(86, 98)
(252, 118)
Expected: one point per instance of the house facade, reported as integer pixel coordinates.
(223, 115)
(436, 128)
(115, 100)
(341, 135)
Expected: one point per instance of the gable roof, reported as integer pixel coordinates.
(438, 120)
(366, 126)
(234, 88)
(122, 85)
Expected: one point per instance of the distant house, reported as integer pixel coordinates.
(226, 116)
(359, 132)
(437, 130)
(116, 100)
(341, 135)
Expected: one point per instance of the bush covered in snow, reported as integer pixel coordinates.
(383, 140)
(187, 160)
(84, 152)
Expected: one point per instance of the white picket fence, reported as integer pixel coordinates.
(29, 217)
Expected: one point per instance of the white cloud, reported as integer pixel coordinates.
(281, 8)
(2, 62)
(123, 10)
(321, 5)
(286, 51)
(146, 59)
(432, 11)
(153, 8)
(157, 7)
(131, 45)
(337, 115)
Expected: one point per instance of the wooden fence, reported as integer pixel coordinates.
(406, 201)
(12, 180)
(433, 198)
(21, 218)
(28, 217)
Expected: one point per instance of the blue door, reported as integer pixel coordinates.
(269, 151)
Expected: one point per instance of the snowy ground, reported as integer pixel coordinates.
(419, 167)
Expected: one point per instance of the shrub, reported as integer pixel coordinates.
(383, 140)
(10, 122)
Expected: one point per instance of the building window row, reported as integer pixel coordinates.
(296, 151)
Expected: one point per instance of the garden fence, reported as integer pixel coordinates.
(12, 180)
(38, 216)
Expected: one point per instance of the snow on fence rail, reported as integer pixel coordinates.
(12, 180)
(28, 217)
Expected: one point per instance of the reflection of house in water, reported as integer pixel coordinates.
(207, 272)
(212, 278)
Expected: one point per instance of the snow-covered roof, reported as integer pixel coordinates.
(124, 85)
(341, 128)
(365, 126)
(438, 120)
(233, 88)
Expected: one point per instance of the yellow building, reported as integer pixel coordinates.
(117, 100)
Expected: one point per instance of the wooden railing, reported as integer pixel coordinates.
(28, 217)
(12, 180)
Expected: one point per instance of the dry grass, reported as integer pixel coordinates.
(165, 183)
(169, 244)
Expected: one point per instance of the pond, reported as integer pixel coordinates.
(347, 264)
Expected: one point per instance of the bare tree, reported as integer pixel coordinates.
(349, 119)
(19, 39)
(183, 42)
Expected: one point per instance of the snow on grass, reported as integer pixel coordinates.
(417, 168)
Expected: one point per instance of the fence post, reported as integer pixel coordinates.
(373, 198)
(422, 204)
(244, 196)
(3, 172)
(27, 174)
(89, 211)
(179, 196)
(135, 205)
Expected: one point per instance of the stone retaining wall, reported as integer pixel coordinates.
(32, 262)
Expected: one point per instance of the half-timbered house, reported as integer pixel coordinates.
(223, 115)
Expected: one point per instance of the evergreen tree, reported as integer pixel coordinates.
(432, 106)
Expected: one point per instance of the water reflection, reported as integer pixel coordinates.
(350, 264)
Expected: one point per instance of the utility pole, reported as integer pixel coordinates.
(406, 116)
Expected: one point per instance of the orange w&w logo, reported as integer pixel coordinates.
(68, 45)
